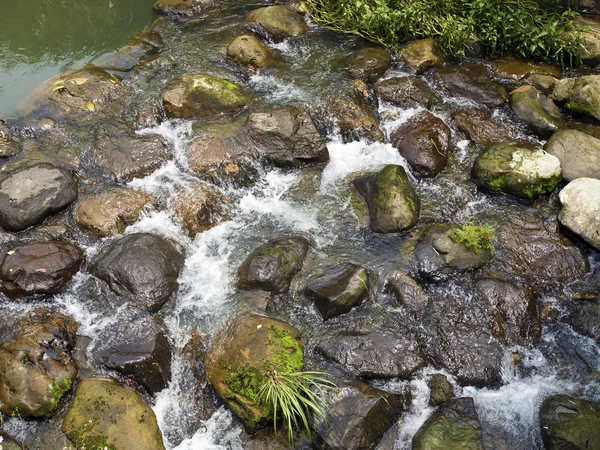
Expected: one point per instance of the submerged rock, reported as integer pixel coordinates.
(30, 195)
(474, 82)
(38, 268)
(481, 129)
(105, 414)
(141, 268)
(278, 22)
(422, 55)
(36, 369)
(519, 171)
(272, 266)
(339, 289)
(357, 415)
(406, 92)
(287, 136)
(579, 153)
(567, 422)
(392, 202)
(580, 211)
(181, 9)
(200, 207)
(201, 95)
(536, 110)
(581, 95)
(368, 64)
(248, 50)
(516, 69)
(424, 141)
(454, 426)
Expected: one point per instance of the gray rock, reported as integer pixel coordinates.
(581, 209)
(29, 196)
(536, 110)
(570, 423)
(440, 389)
(579, 153)
(581, 95)
(181, 9)
(138, 49)
(368, 64)
(407, 92)
(406, 291)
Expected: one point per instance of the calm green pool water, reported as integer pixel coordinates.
(41, 38)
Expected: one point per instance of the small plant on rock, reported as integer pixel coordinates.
(474, 237)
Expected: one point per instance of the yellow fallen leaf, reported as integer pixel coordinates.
(10, 253)
(90, 106)
(58, 88)
(78, 81)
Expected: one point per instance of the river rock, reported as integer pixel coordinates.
(278, 22)
(201, 95)
(141, 268)
(354, 118)
(30, 195)
(543, 83)
(481, 129)
(124, 156)
(141, 47)
(406, 92)
(36, 369)
(406, 291)
(580, 211)
(200, 207)
(105, 414)
(181, 9)
(357, 415)
(108, 213)
(8, 146)
(581, 95)
(437, 257)
(533, 250)
(424, 141)
(339, 289)
(536, 110)
(287, 137)
(38, 268)
(137, 347)
(590, 53)
(567, 422)
(454, 426)
(239, 356)
(248, 50)
(422, 55)
(583, 316)
(579, 153)
(272, 266)
(517, 320)
(515, 69)
(474, 82)
(516, 170)
(9, 443)
(392, 201)
(440, 389)
(368, 64)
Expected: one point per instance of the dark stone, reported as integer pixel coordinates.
(339, 289)
(357, 415)
(424, 141)
(441, 389)
(481, 129)
(407, 92)
(536, 110)
(570, 423)
(142, 268)
(584, 317)
(39, 268)
(287, 137)
(272, 266)
(368, 64)
(474, 82)
(353, 116)
(406, 291)
(30, 195)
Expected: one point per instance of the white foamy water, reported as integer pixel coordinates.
(217, 433)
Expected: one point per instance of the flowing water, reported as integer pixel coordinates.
(316, 203)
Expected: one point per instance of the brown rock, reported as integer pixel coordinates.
(480, 128)
(250, 51)
(422, 55)
(369, 64)
(516, 69)
(200, 207)
(472, 81)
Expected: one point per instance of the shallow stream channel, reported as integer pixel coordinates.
(183, 217)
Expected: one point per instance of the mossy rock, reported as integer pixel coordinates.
(581, 95)
(105, 415)
(242, 353)
(422, 55)
(570, 423)
(536, 110)
(248, 50)
(278, 22)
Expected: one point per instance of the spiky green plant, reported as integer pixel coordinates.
(294, 396)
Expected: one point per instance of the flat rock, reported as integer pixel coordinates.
(481, 129)
(407, 92)
(474, 82)
(579, 153)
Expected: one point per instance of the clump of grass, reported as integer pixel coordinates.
(474, 237)
(503, 27)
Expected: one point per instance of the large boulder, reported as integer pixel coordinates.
(36, 369)
(455, 426)
(339, 289)
(30, 195)
(422, 55)
(368, 64)
(481, 129)
(108, 213)
(242, 354)
(201, 95)
(357, 415)
(287, 136)
(248, 50)
(272, 266)
(536, 110)
(474, 82)
(141, 268)
(104, 414)
(407, 92)
(278, 22)
(516, 170)
(579, 153)
(38, 268)
(580, 211)
(392, 201)
(581, 95)
(424, 141)
(570, 423)
(200, 207)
